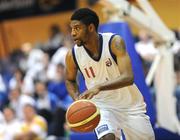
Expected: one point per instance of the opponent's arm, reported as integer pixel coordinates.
(124, 65)
(71, 72)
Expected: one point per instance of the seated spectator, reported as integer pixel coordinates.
(11, 125)
(60, 54)
(3, 88)
(177, 74)
(17, 101)
(2, 121)
(17, 80)
(59, 57)
(55, 39)
(34, 127)
(145, 46)
(37, 72)
(46, 102)
(146, 50)
(58, 87)
(34, 56)
(3, 93)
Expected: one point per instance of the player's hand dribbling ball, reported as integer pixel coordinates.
(82, 116)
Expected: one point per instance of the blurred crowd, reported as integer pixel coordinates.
(33, 95)
(147, 49)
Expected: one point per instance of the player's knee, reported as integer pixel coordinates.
(109, 136)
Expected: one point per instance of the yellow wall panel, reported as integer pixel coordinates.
(35, 29)
(169, 11)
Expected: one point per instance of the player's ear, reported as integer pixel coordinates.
(91, 27)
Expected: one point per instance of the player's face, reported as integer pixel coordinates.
(79, 32)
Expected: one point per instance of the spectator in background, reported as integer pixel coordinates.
(34, 65)
(17, 80)
(146, 49)
(2, 121)
(177, 33)
(34, 56)
(39, 71)
(177, 88)
(177, 73)
(3, 88)
(46, 102)
(33, 127)
(11, 126)
(145, 46)
(18, 100)
(55, 39)
(58, 87)
(3, 92)
(59, 57)
(176, 44)
(17, 57)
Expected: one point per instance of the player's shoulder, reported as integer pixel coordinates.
(70, 57)
(69, 53)
(106, 34)
(111, 36)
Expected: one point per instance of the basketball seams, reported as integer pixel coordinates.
(88, 120)
(78, 101)
(83, 116)
(80, 109)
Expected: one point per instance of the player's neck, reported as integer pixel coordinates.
(93, 43)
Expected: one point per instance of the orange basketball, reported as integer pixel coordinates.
(82, 116)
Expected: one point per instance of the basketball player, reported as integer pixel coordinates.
(106, 67)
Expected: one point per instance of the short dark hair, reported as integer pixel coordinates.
(86, 16)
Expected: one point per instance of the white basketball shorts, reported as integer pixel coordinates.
(135, 126)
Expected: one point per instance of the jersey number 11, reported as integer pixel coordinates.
(89, 72)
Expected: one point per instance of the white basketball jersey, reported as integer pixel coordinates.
(105, 68)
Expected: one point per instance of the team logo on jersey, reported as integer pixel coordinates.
(102, 128)
(108, 62)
